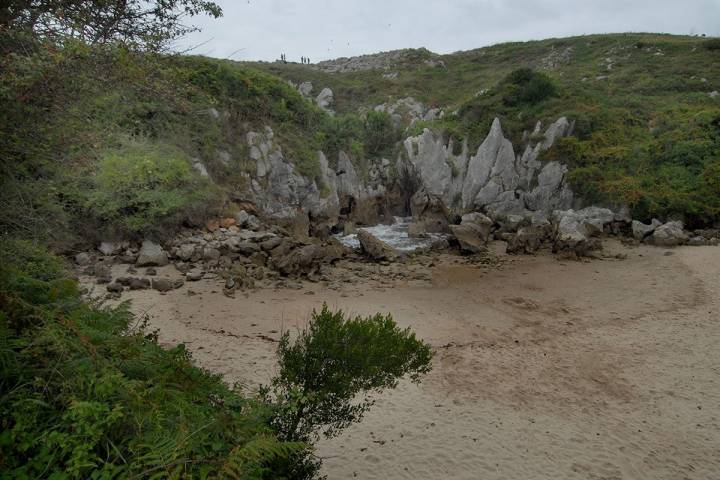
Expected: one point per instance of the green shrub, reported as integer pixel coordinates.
(143, 185)
(380, 134)
(526, 86)
(85, 393)
(332, 361)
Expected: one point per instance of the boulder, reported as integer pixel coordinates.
(151, 254)
(375, 248)
(482, 221)
(114, 287)
(305, 259)
(471, 236)
(574, 229)
(165, 284)
(112, 248)
(325, 99)
(194, 275)
(530, 238)
(698, 241)
(185, 252)
(83, 259)
(271, 243)
(640, 230)
(139, 283)
(210, 253)
(253, 223)
(670, 234)
(241, 218)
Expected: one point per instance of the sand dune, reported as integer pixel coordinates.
(545, 369)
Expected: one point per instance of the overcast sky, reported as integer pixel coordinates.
(323, 29)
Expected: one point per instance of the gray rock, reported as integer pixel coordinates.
(698, 241)
(271, 243)
(194, 275)
(246, 248)
(574, 228)
(670, 234)
(325, 99)
(186, 252)
(640, 230)
(83, 259)
(527, 239)
(112, 248)
(375, 248)
(471, 236)
(210, 254)
(201, 169)
(305, 89)
(139, 283)
(151, 254)
(115, 288)
(165, 284)
(253, 223)
(241, 218)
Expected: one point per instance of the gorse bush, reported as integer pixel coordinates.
(143, 185)
(526, 86)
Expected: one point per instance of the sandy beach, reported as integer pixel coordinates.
(544, 368)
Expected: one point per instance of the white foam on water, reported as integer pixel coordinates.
(395, 235)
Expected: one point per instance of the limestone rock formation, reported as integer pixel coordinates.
(494, 180)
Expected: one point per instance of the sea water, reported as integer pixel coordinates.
(395, 235)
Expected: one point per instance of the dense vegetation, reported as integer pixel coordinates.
(86, 391)
(81, 123)
(102, 135)
(646, 129)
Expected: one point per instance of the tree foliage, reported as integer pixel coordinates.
(337, 358)
(143, 24)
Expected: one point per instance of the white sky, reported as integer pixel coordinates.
(323, 29)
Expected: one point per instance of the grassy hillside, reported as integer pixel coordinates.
(101, 141)
(647, 131)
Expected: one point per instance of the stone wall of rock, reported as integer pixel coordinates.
(494, 180)
(427, 180)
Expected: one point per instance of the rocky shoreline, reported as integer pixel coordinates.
(244, 253)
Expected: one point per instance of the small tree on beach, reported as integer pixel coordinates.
(331, 362)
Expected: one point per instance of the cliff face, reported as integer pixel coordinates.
(426, 180)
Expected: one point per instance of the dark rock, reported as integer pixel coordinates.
(114, 287)
(268, 245)
(139, 284)
(162, 284)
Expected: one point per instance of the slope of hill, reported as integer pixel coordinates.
(103, 142)
(645, 107)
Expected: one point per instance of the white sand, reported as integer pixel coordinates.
(545, 369)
